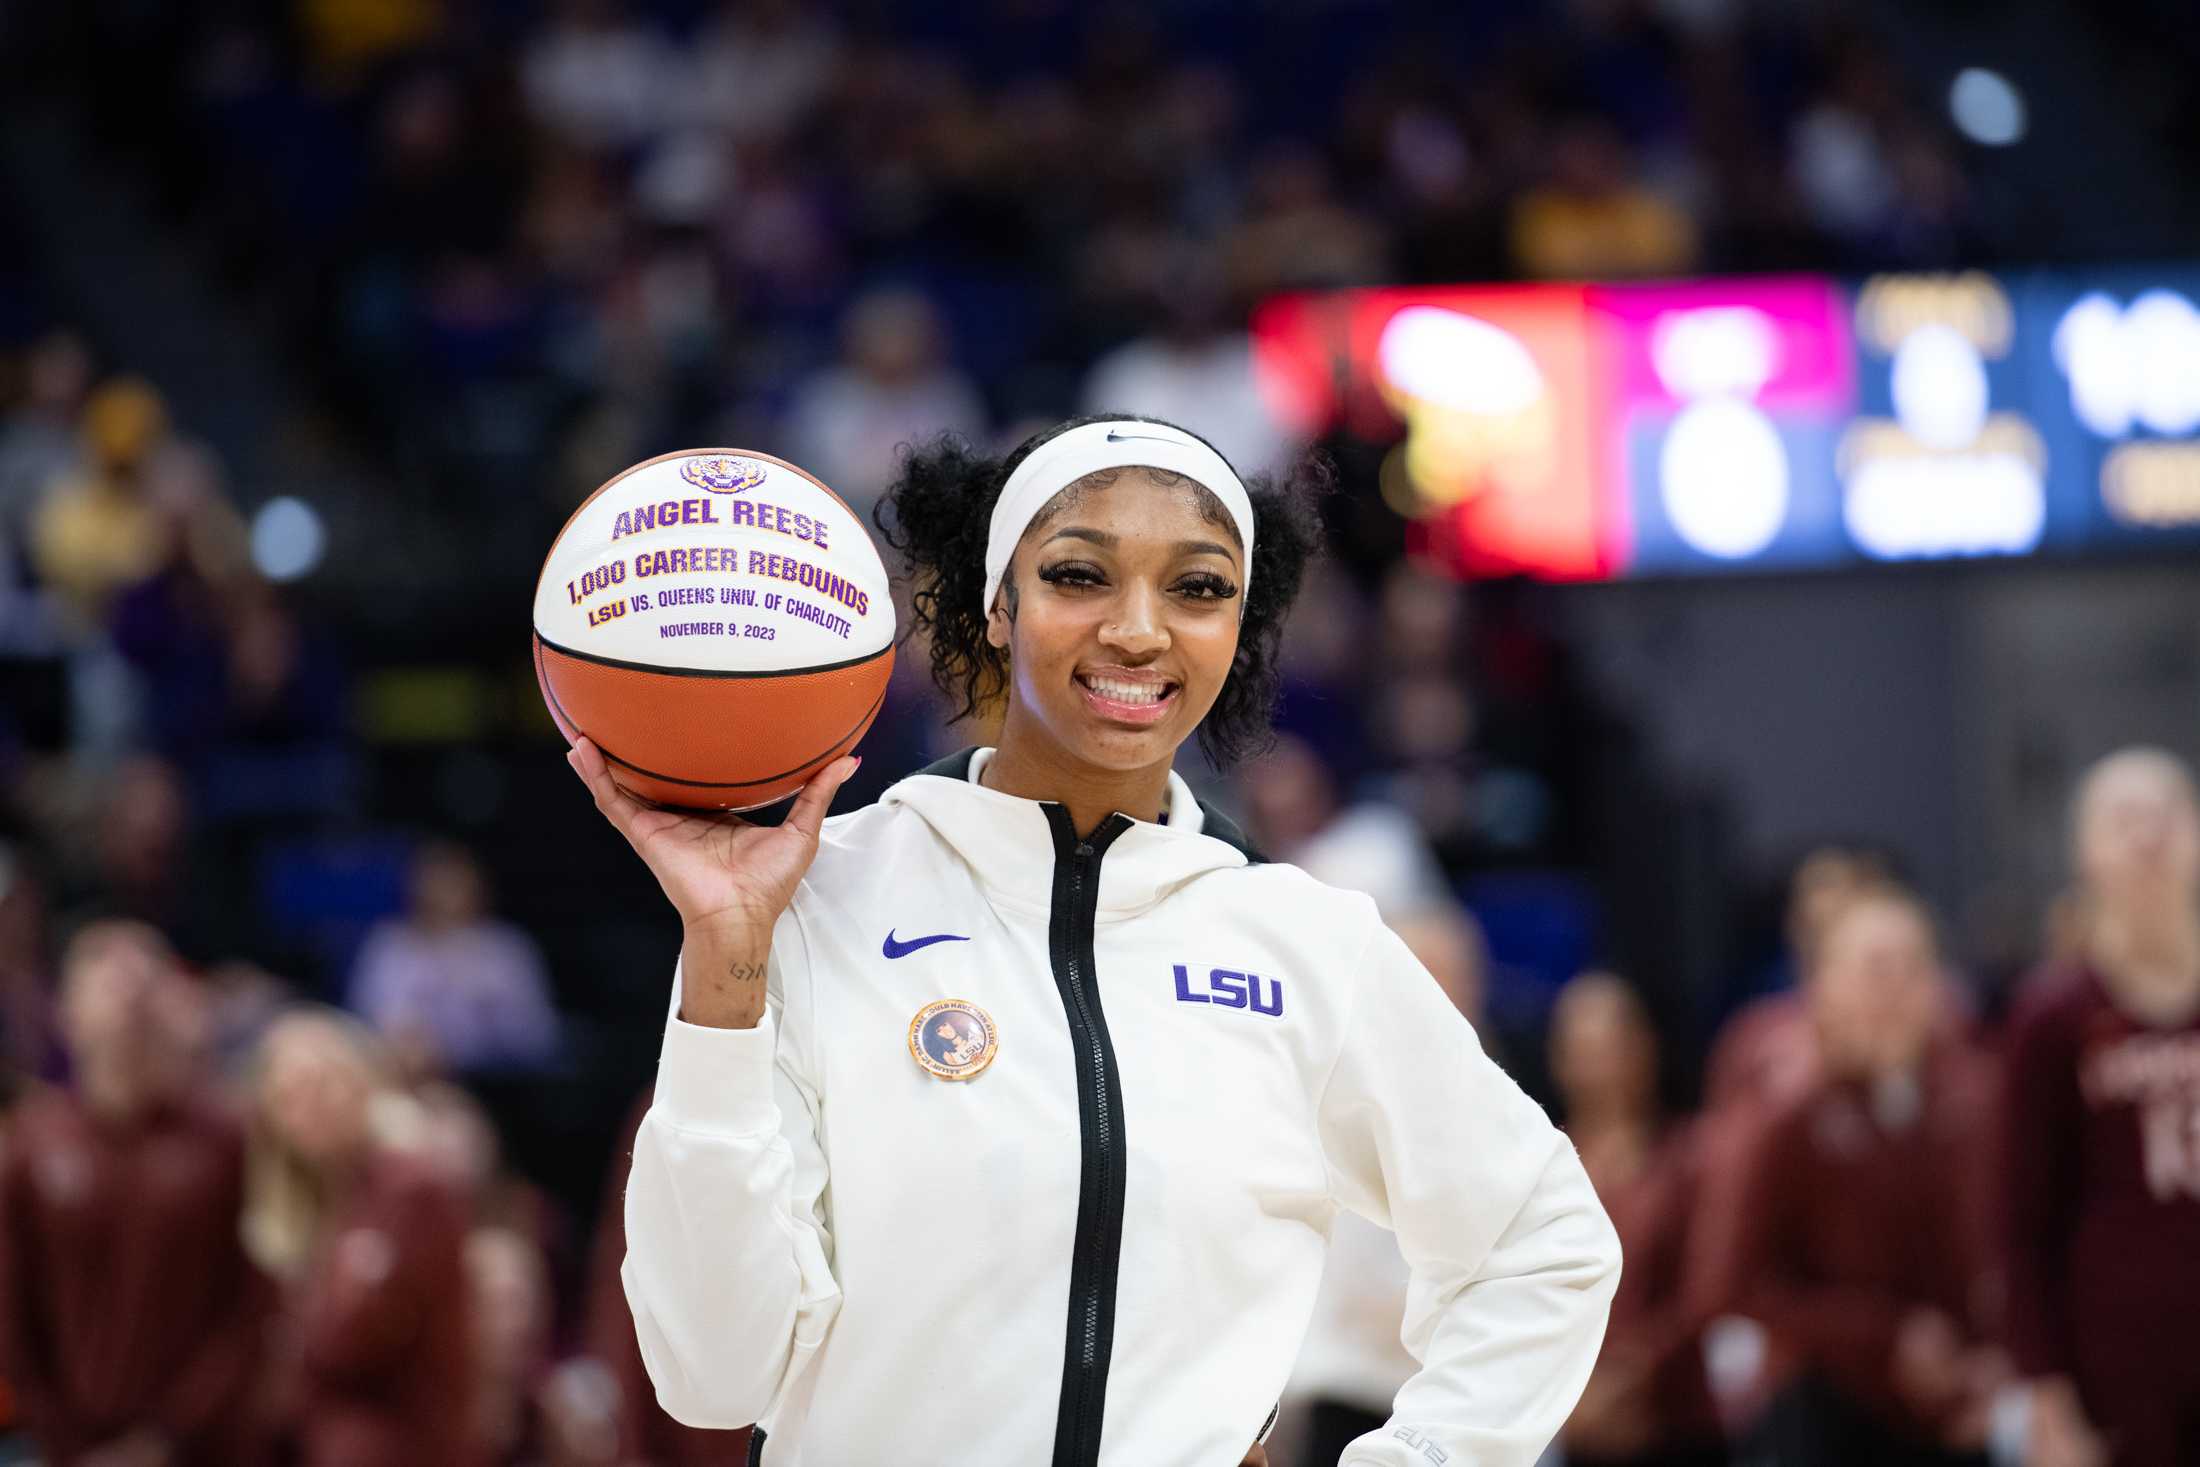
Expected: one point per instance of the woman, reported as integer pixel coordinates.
(1849, 1219)
(371, 1242)
(1097, 1240)
(2100, 1146)
(1647, 1403)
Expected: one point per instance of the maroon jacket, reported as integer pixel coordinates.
(1653, 1324)
(126, 1298)
(2101, 1209)
(381, 1320)
(1831, 1228)
(1764, 1054)
(646, 1434)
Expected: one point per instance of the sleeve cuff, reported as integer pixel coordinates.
(718, 1080)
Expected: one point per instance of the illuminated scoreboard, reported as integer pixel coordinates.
(1580, 432)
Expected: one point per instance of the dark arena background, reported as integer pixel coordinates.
(1768, 444)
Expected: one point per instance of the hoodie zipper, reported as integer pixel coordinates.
(1097, 1250)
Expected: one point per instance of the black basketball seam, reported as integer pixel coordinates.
(701, 784)
(709, 672)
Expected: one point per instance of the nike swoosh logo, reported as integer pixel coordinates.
(894, 949)
(1115, 437)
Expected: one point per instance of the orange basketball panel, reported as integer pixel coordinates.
(712, 741)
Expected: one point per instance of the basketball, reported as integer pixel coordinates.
(717, 622)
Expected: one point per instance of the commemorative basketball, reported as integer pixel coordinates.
(718, 623)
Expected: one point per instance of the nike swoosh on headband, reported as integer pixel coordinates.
(894, 949)
(1074, 452)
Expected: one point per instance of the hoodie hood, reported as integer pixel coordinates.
(1009, 845)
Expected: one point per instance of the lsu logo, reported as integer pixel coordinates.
(722, 473)
(1226, 988)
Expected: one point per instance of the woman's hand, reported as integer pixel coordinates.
(728, 879)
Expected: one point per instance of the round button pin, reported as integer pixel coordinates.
(953, 1038)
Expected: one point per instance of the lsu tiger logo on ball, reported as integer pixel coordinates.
(722, 474)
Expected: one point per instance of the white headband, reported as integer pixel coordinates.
(1127, 443)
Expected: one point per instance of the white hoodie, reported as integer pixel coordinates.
(1103, 1249)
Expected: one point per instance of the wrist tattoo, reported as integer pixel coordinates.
(745, 972)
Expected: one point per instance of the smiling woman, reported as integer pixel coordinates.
(1041, 1019)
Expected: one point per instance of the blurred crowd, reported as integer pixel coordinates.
(526, 246)
(284, 1241)
(158, 687)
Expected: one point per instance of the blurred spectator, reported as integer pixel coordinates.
(892, 387)
(131, 1318)
(371, 1243)
(647, 1436)
(1592, 217)
(1193, 370)
(508, 1295)
(597, 78)
(97, 532)
(1373, 847)
(758, 67)
(1449, 943)
(39, 441)
(451, 987)
(284, 686)
(1421, 617)
(2101, 1137)
(1768, 1051)
(580, 1417)
(1296, 232)
(1853, 1224)
(173, 624)
(1422, 727)
(1647, 1402)
(455, 1135)
(1421, 716)
(140, 866)
(1354, 1358)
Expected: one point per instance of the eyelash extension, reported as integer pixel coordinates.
(1205, 586)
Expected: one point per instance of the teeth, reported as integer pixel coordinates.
(1126, 692)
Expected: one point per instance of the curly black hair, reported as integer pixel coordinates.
(938, 512)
